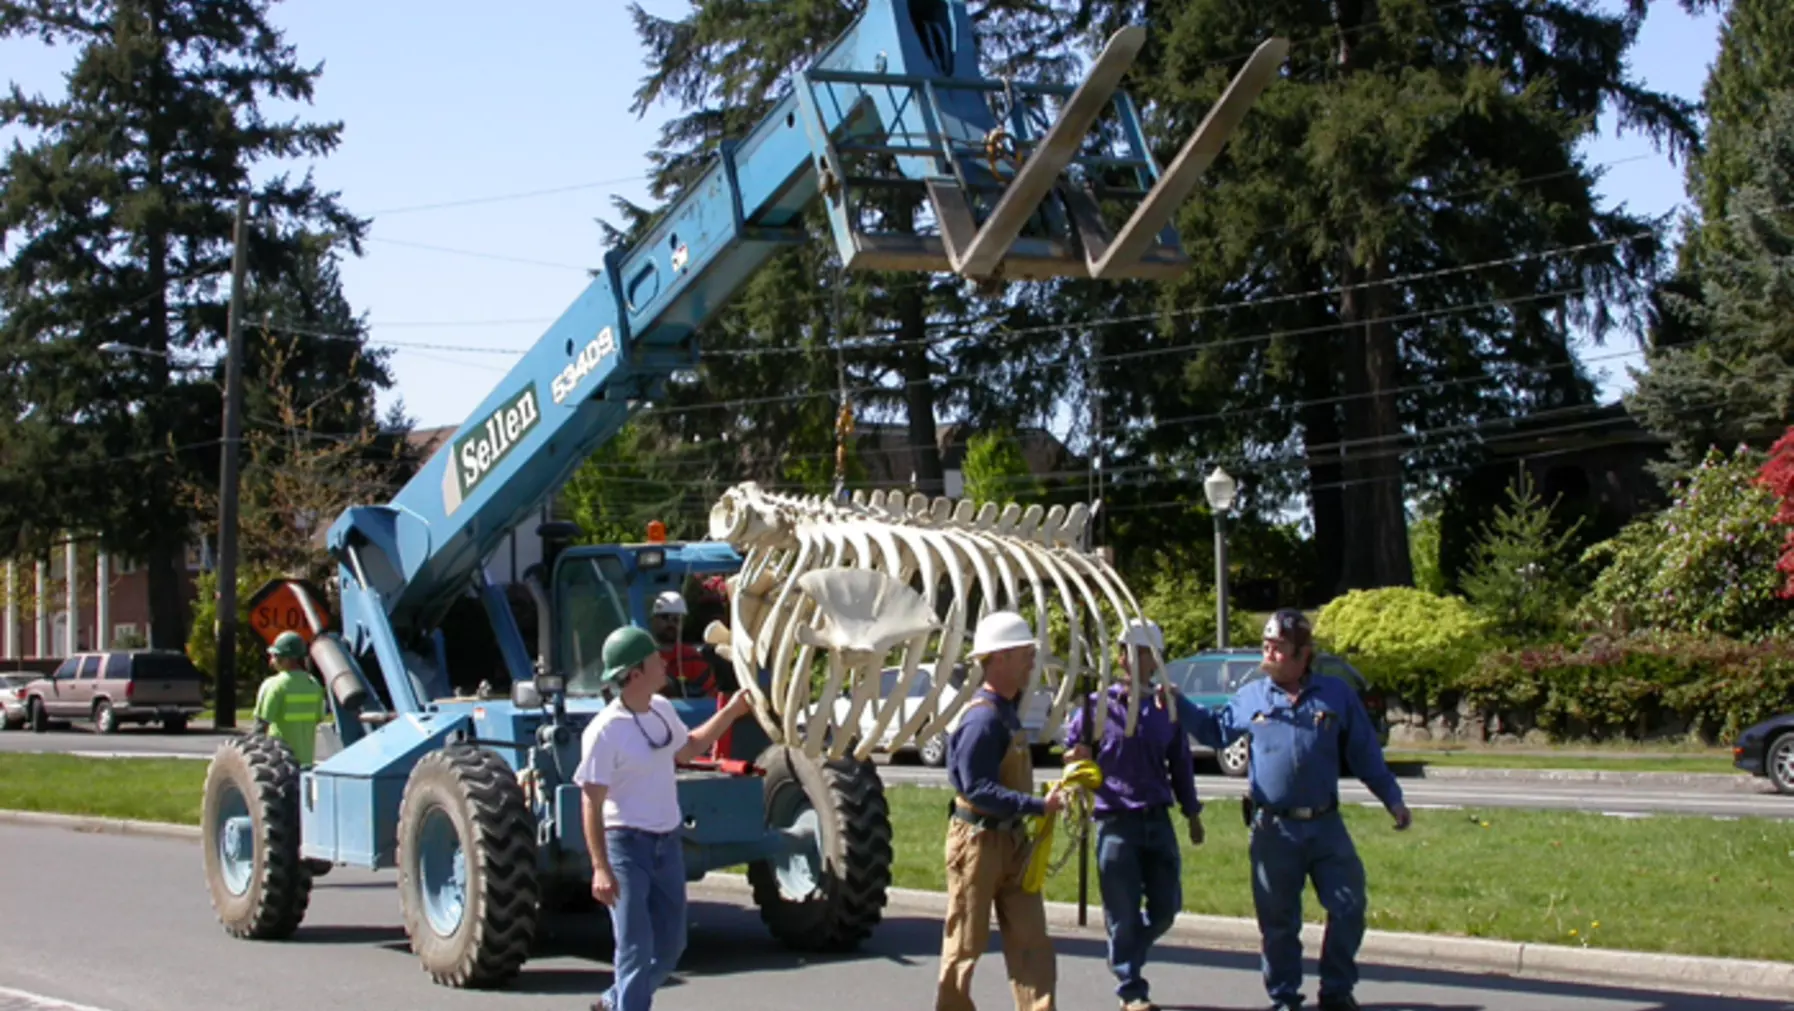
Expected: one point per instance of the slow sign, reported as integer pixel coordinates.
(285, 605)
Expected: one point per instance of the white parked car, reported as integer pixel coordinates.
(933, 751)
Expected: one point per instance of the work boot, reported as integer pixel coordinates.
(1332, 1003)
(1139, 1004)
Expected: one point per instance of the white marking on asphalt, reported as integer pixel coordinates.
(136, 754)
(21, 1000)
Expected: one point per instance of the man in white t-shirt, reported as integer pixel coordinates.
(632, 814)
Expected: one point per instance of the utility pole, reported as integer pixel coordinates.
(224, 705)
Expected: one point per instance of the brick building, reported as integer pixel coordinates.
(109, 594)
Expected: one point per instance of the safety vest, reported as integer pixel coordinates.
(292, 704)
(690, 671)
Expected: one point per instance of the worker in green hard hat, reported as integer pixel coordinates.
(290, 704)
(626, 774)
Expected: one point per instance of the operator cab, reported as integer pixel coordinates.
(597, 589)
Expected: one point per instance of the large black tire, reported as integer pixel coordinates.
(854, 824)
(473, 792)
(270, 901)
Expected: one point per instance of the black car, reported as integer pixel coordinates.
(1767, 749)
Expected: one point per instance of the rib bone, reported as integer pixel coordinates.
(858, 581)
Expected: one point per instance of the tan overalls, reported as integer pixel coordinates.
(984, 868)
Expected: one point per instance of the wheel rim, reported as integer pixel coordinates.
(441, 872)
(1784, 762)
(235, 843)
(935, 748)
(799, 869)
(1235, 755)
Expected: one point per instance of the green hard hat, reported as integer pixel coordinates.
(626, 649)
(288, 645)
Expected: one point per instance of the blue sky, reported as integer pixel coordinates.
(455, 102)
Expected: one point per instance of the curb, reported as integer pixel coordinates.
(105, 826)
(1736, 782)
(1716, 977)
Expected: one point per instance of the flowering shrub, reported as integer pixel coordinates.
(1777, 475)
(1707, 563)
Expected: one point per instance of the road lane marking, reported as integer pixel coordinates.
(22, 1000)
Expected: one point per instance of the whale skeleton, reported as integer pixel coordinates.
(829, 589)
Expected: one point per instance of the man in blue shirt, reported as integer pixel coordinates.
(1137, 856)
(1301, 724)
(991, 769)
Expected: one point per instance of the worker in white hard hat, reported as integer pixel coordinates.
(991, 769)
(1138, 861)
(690, 674)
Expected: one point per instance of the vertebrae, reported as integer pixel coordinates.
(858, 580)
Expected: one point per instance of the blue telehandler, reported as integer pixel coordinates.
(452, 736)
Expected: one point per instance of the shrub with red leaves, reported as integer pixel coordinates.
(1777, 474)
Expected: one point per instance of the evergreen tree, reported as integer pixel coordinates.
(997, 471)
(1755, 62)
(1522, 576)
(1721, 365)
(116, 219)
(1404, 143)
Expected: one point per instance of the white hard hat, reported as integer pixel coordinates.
(1145, 634)
(669, 602)
(1001, 630)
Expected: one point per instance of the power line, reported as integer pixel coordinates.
(505, 197)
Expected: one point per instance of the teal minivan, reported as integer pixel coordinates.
(1211, 677)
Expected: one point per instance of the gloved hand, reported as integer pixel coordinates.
(1196, 833)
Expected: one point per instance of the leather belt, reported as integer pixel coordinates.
(1301, 813)
(990, 821)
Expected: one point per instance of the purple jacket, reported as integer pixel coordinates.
(1146, 770)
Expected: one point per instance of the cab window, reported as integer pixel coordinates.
(591, 596)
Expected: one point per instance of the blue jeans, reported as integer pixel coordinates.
(1285, 856)
(1137, 859)
(648, 918)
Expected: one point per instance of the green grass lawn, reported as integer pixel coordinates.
(1676, 885)
(150, 789)
(244, 716)
(1669, 884)
(1617, 762)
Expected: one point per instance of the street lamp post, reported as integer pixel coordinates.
(1220, 489)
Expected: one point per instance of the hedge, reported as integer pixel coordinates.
(1708, 686)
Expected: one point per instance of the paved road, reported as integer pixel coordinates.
(138, 935)
(1743, 797)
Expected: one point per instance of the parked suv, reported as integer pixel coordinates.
(110, 689)
(1211, 678)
